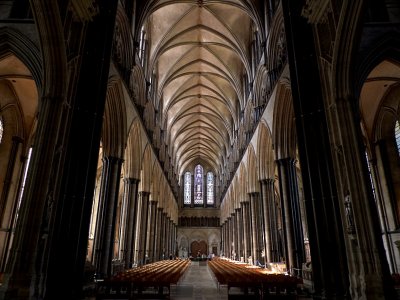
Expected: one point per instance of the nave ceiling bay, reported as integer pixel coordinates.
(199, 58)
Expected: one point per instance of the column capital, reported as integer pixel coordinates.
(131, 180)
(17, 139)
(143, 193)
(112, 159)
(286, 160)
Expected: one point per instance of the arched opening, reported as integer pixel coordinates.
(380, 110)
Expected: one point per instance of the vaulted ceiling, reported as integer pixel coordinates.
(199, 55)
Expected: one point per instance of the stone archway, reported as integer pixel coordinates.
(198, 248)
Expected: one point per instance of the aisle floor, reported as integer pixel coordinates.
(198, 284)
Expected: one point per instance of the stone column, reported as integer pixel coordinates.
(150, 243)
(167, 236)
(291, 214)
(230, 234)
(234, 235)
(246, 229)
(105, 226)
(276, 249)
(267, 192)
(239, 233)
(158, 250)
(130, 194)
(142, 233)
(254, 226)
(164, 252)
(330, 269)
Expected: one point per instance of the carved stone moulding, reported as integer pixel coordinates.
(84, 10)
(314, 10)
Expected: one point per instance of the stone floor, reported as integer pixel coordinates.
(198, 284)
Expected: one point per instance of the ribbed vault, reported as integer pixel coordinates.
(199, 58)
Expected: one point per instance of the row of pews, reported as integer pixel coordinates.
(251, 282)
(148, 281)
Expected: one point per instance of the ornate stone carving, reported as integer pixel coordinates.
(314, 10)
(117, 47)
(84, 10)
(281, 48)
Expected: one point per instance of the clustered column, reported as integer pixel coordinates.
(105, 229)
(150, 243)
(246, 229)
(291, 214)
(256, 225)
(130, 194)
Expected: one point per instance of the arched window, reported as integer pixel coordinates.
(210, 188)
(188, 189)
(397, 136)
(1, 129)
(198, 185)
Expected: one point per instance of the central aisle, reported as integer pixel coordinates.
(198, 284)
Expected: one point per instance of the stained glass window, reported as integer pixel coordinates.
(198, 185)
(1, 129)
(397, 135)
(188, 188)
(210, 188)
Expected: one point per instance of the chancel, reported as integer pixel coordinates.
(199, 149)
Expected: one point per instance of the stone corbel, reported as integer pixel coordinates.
(314, 10)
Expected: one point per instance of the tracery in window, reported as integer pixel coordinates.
(210, 188)
(198, 185)
(397, 136)
(1, 129)
(188, 188)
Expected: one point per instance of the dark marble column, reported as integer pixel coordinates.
(130, 194)
(239, 233)
(246, 229)
(164, 253)
(254, 226)
(234, 235)
(329, 261)
(291, 214)
(267, 192)
(276, 247)
(229, 235)
(152, 230)
(158, 252)
(144, 213)
(106, 213)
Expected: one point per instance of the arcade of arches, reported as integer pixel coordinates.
(262, 131)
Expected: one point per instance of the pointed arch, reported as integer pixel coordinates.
(133, 151)
(13, 41)
(252, 170)
(114, 125)
(243, 183)
(265, 152)
(284, 131)
(155, 183)
(146, 170)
